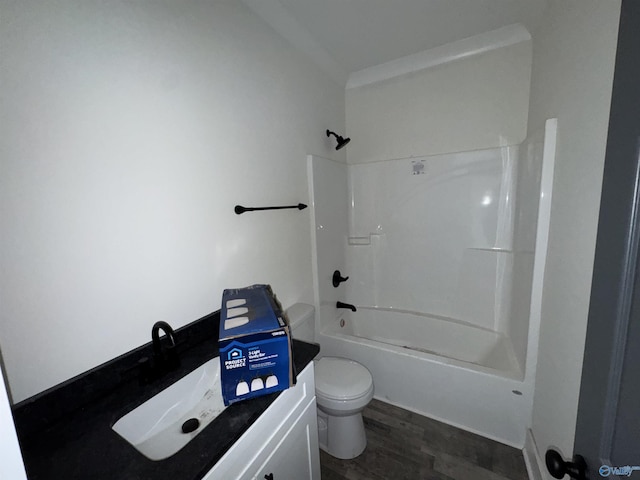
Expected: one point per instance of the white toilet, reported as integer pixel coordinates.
(343, 388)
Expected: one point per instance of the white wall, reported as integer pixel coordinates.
(572, 77)
(129, 132)
(470, 104)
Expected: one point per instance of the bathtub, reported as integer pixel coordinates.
(443, 339)
(457, 373)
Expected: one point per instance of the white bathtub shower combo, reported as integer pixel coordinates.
(445, 257)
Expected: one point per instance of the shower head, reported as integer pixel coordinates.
(341, 141)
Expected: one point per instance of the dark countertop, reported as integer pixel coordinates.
(65, 432)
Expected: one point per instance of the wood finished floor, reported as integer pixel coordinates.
(402, 445)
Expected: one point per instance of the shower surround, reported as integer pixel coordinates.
(445, 256)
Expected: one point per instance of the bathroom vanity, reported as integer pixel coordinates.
(66, 432)
(282, 444)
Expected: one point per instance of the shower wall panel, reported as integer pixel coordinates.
(329, 198)
(435, 235)
(525, 228)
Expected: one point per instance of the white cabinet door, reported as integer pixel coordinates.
(268, 432)
(11, 465)
(296, 457)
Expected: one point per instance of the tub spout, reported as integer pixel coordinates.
(346, 305)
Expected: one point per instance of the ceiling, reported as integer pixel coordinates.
(347, 36)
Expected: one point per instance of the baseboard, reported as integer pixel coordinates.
(532, 458)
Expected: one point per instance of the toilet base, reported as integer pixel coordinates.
(341, 437)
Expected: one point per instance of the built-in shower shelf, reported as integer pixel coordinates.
(360, 240)
(495, 250)
(365, 240)
(500, 250)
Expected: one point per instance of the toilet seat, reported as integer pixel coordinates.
(342, 379)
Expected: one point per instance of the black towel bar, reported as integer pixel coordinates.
(239, 209)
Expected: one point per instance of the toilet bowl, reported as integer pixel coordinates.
(343, 389)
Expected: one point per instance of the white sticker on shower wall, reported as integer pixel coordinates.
(417, 167)
(441, 238)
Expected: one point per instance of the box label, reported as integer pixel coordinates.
(255, 345)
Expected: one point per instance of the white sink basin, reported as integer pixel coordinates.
(155, 427)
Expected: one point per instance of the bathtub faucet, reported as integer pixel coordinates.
(337, 278)
(346, 305)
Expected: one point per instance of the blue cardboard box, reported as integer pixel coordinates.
(254, 343)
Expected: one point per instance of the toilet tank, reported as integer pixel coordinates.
(302, 320)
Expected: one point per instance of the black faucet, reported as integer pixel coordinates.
(338, 278)
(155, 336)
(163, 361)
(346, 305)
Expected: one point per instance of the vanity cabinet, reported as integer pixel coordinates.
(294, 456)
(282, 444)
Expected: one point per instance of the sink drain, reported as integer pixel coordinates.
(190, 425)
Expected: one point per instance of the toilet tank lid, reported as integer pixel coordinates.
(299, 313)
